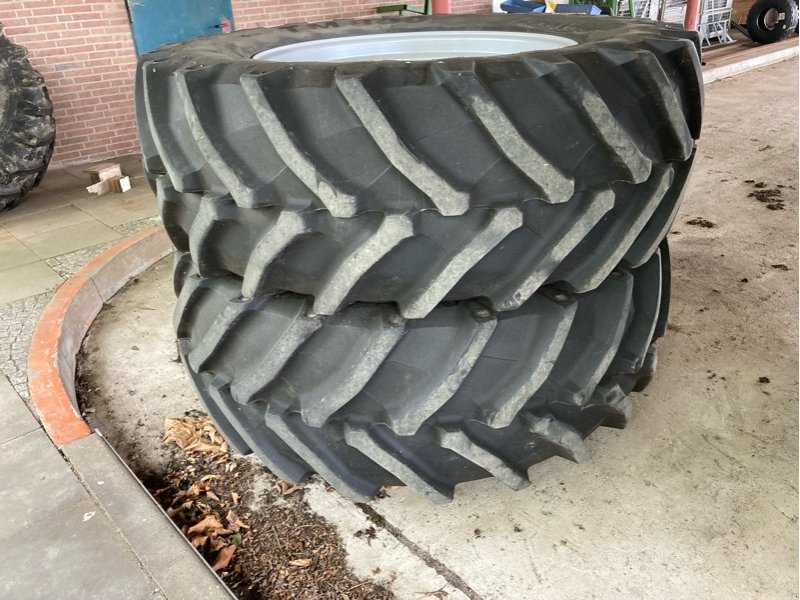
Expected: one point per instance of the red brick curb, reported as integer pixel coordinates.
(65, 321)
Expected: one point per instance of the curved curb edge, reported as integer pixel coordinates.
(66, 319)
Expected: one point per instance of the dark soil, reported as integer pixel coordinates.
(771, 197)
(283, 550)
(700, 222)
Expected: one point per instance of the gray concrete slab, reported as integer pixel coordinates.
(115, 209)
(15, 418)
(169, 559)
(14, 253)
(47, 244)
(23, 226)
(27, 280)
(75, 554)
(36, 482)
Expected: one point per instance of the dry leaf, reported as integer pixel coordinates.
(235, 497)
(195, 434)
(224, 558)
(300, 562)
(217, 543)
(207, 525)
(285, 488)
(199, 540)
(234, 522)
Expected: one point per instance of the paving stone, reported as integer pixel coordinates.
(116, 209)
(36, 201)
(13, 253)
(73, 555)
(128, 229)
(70, 238)
(19, 319)
(24, 226)
(36, 482)
(26, 280)
(15, 418)
(68, 264)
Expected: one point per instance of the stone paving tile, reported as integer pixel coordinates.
(14, 253)
(67, 265)
(116, 209)
(24, 226)
(127, 229)
(15, 418)
(37, 200)
(19, 320)
(36, 482)
(27, 280)
(68, 239)
(76, 554)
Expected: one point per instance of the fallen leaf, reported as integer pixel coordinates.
(235, 497)
(285, 488)
(224, 557)
(234, 522)
(195, 434)
(300, 562)
(217, 543)
(199, 540)
(209, 524)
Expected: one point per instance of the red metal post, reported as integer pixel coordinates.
(441, 7)
(692, 14)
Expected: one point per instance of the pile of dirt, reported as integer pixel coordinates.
(771, 197)
(263, 540)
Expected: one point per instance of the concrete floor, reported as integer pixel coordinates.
(697, 498)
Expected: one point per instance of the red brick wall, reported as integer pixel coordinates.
(84, 50)
(259, 13)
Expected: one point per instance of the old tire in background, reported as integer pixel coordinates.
(366, 398)
(27, 129)
(424, 181)
(771, 21)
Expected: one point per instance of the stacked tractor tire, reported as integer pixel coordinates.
(421, 272)
(27, 129)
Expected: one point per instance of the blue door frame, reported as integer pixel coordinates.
(157, 22)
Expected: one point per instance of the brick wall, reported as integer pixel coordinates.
(258, 13)
(84, 50)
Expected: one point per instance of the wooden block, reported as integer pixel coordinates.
(120, 184)
(104, 171)
(101, 188)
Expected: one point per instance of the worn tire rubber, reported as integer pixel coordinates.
(366, 398)
(27, 128)
(454, 184)
(757, 28)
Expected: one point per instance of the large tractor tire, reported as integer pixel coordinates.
(367, 398)
(422, 181)
(27, 129)
(403, 266)
(771, 21)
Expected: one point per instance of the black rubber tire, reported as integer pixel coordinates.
(27, 128)
(367, 399)
(493, 208)
(757, 27)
